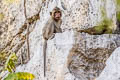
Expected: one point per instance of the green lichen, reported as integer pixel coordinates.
(118, 10)
(118, 2)
(103, 12)
(118, 16)
(1, 16)
(10, 1)
(104, 26)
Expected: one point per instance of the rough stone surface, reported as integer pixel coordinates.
(111, 71)
(70, 55)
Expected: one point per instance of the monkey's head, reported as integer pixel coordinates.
(56, 14)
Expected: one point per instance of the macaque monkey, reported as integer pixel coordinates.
(52, 26)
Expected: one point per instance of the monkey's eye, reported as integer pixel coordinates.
(57, 12)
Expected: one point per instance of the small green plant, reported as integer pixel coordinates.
(106, 25)
(20, 76)
(10, 67)
(10, 63)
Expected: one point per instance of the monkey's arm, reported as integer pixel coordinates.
(48, 31)
(60, 26)
(51, 31)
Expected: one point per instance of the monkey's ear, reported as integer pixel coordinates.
(51, 13)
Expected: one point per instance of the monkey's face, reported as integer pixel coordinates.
(57, 15)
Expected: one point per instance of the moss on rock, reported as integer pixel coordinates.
(1, 16)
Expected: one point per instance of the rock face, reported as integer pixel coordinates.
(71, 55)
(112, 67)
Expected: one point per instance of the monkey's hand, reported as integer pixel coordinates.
(52, 36)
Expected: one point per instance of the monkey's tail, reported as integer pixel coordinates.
(44, 53)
